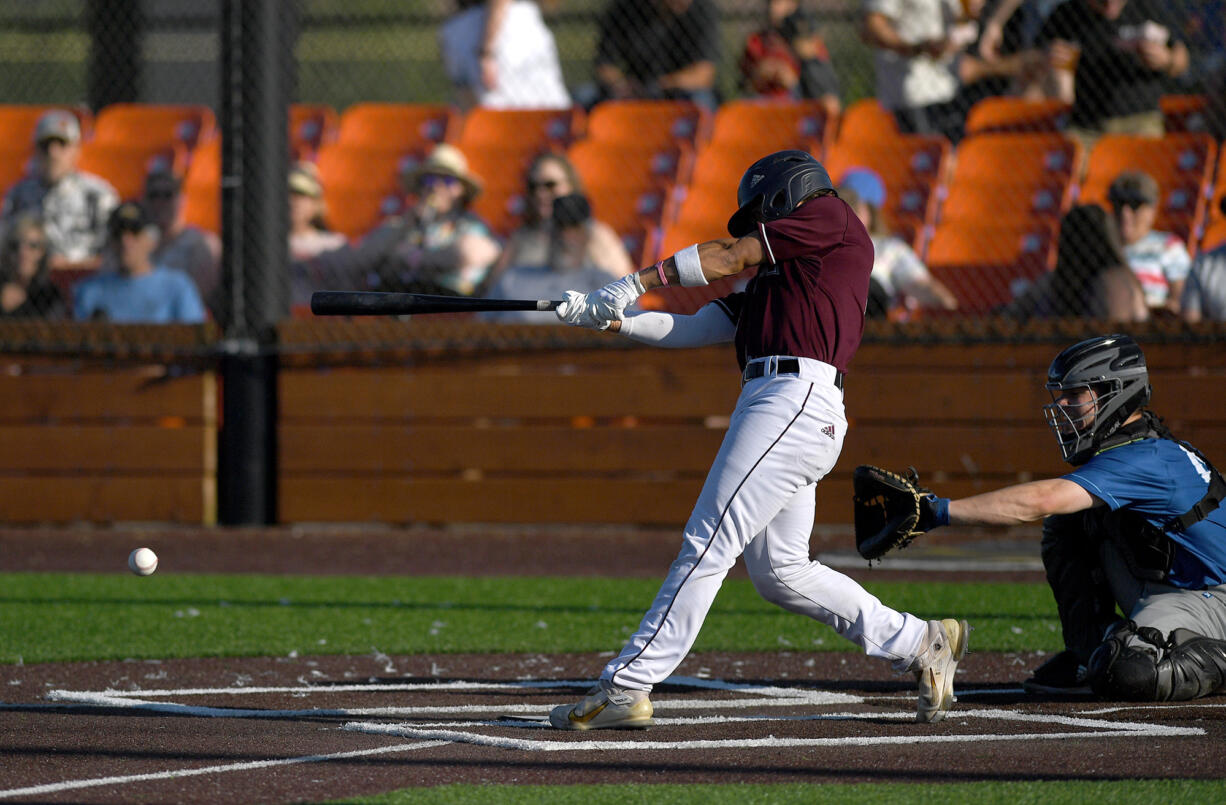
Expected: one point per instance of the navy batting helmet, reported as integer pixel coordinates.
(1113, 368)
(774, 186)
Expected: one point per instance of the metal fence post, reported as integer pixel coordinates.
(257, 77)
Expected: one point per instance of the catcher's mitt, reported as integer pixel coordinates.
(890, 510)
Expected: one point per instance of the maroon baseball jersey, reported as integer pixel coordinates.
(808, 297)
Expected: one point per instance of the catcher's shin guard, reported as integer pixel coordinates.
(1083, 599)
(1194, 666)
(1148, 669)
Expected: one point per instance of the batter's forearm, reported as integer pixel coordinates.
(725, 257)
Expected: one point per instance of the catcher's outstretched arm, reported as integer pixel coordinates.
(1022, 503)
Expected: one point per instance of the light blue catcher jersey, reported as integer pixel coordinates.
(1161, 480)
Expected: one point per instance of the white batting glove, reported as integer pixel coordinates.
(576, 309)
(609, 302)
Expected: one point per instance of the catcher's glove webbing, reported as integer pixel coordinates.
(890, 510)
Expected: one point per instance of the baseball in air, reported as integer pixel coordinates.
(142, 561)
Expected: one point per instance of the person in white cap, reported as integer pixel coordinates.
(438, 245)
(74, 205)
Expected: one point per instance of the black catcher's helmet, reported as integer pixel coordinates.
(1112, 367)
(774, 186)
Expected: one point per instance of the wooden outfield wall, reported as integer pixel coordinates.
(442, 429)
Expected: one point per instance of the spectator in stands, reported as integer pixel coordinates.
(74, 205)
(787, 58)
(436, 246)
(1159, 259)
(1111, 59)
(26, 290)
(560, 245)
(657, 49)
(1091, 278)
(190, 249)
(1012, 26)
(1204, 294)
(921, 65)
(900, 282)
(309, 235)
(131, 287)
(500, 54)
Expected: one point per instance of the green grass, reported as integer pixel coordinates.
(49, 617)
(1053, 792)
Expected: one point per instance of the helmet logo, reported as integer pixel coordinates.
(757, 177)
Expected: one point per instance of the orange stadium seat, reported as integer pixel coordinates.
(1011, 178)
(354, 211)
(1002, 113)
(402, 127)
(637, 241)
(981, 264)
(1215, 235)
(1180, 163)
(649, 124)
(1217, 195)
(720, 168)
(631, 167)
(1184, 113)
(772, 125)
(126, 166)
(532, 130)
(628, 210)
(344, 167)
(14, 166)
(866, 120)
(502, 209)
(150, 125)
(501, 171)
(311, 125)
(17, 123)
(913, 167)
(708, 209)
(202, 187)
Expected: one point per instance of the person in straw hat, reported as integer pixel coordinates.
(437, 245)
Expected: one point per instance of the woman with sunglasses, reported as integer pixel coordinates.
(438, 245)
(26, 289)
(560, 245)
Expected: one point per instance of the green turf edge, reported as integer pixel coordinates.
(1047, 792)
(48, 617)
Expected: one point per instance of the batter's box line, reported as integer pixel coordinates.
(1107, 729)
(96, 700)
(452, 685)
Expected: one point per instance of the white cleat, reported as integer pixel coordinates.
(935, 668)
(605, 707)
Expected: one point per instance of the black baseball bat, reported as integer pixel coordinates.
(375, 303)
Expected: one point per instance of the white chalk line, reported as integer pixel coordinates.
(435, 734)
(516, 686)
(95, 782)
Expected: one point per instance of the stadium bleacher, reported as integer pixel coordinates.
(661, 172)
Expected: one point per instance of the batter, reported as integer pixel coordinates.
(796, 327)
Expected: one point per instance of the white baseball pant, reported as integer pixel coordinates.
(785, 435)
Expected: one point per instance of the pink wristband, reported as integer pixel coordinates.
(660, 272)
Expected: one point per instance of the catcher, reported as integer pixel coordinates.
(1137, 523)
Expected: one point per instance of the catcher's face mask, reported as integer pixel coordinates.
(1073, 417)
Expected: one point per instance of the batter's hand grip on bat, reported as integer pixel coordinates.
(375, 303)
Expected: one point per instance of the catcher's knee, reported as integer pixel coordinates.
(1125, 666)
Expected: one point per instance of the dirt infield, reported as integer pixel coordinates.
(312, 728)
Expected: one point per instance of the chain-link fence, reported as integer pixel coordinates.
(1012, 158)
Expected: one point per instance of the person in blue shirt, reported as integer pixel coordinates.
(130, 288)
(1137, 524)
